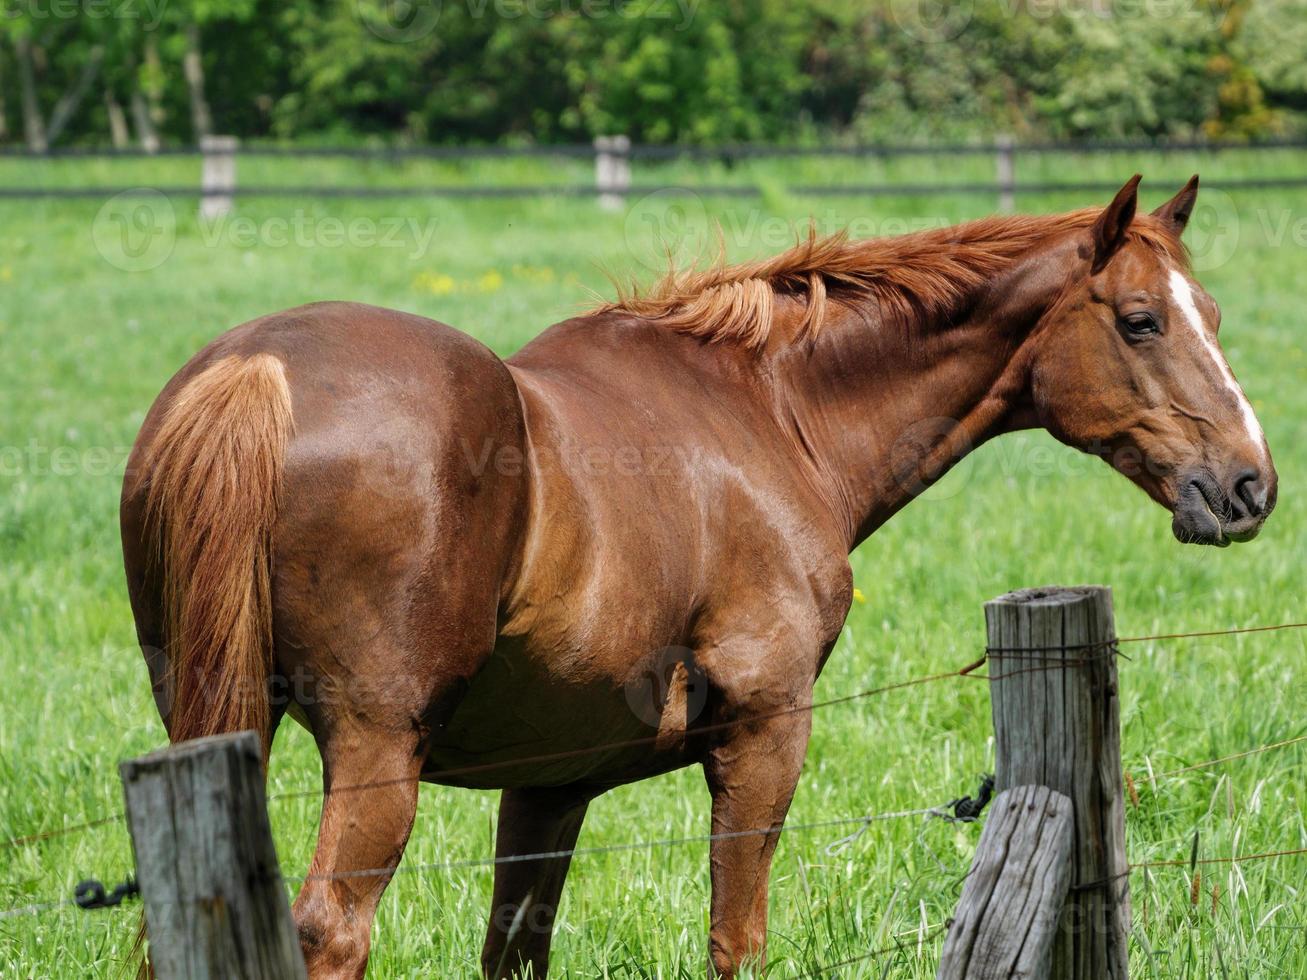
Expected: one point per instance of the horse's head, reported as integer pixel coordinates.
(1127, 366)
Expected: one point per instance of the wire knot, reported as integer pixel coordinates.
(91, 894)
(966, 809)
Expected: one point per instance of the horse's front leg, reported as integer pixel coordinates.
(752, 773)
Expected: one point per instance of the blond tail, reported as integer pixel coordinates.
(215, 475)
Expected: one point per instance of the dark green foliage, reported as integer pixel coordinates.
(699, 71)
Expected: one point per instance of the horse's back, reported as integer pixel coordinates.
(351, 363)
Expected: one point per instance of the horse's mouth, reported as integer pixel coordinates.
(1203, 515)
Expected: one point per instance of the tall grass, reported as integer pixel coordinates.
(85, 346)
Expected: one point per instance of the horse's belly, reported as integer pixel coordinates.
(531, 720)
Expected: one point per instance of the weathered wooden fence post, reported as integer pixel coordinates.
(215, 905)
(217, 175)
(1007, 920)
(612, 170)
(1053, 688)
(1005, 170)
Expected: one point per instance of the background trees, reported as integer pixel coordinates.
(144, 71)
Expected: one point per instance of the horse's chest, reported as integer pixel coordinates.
(593, 677)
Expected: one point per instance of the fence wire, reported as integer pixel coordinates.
(1044, 661)
(968, 671)
(939, 812)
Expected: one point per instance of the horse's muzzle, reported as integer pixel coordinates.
(1206, 512)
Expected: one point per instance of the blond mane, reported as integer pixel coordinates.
(912, 278)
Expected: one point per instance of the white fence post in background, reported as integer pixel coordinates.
(1005, 170)
(218, 176)
(612, 170)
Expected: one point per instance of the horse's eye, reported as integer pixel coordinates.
(1141, 324)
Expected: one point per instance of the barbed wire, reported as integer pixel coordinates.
(1233, 859)
(64, 831)
(921, 939)
(928, 812)
(36, 908)
(1192, 862)
(692, 733)
(967, 671)
(864, 821)
(528, 760)
(1154, 777)
(1045, 661)
(938, 812)
(1202, 633)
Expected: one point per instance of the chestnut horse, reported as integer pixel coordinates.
(454, 568)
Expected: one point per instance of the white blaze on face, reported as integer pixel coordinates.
(1182, 292)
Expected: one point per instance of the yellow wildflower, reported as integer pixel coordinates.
(436, 283)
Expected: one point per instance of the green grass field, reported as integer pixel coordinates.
(90, 331)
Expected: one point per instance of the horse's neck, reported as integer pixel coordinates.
(885, 409)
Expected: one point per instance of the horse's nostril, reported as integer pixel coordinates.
(1249, 494)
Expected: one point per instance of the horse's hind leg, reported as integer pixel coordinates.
(397, 531)
(371, 791)
(371, 710)
(372, 678)
(531, 821)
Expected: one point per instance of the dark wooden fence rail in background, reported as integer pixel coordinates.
(613, 156)
(665, 151)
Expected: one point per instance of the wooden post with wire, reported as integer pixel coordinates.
(1053, 688)
(215, 904)
(1007, 920)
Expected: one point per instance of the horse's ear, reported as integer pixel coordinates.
(1110, 229)
(1176, 211)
